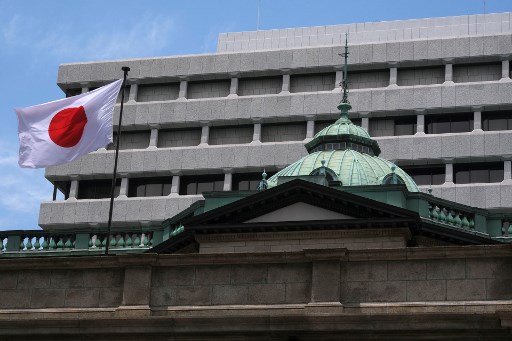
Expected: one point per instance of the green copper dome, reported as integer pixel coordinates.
(351, 167)
(346, 153)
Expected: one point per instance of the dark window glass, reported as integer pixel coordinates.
(63, 187)
(150, 187)
(97, 189)
(73, 92)
(478, 172)
(497, 120)
(248, 182)
(201, 183)
(405, 126)
(427, 175)
(449, 123)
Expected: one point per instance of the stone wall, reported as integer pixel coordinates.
(432, 289)
(421, 76)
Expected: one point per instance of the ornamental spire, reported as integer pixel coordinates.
(344, 105)
(344, 83)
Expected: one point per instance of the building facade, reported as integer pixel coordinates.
(435, 93)
(339, 244)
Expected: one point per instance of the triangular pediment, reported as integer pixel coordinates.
(299, 211)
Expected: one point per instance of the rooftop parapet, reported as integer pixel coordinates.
(369, 32)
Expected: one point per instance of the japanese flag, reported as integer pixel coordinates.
(61, 131)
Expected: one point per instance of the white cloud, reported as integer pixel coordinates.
(148, 36)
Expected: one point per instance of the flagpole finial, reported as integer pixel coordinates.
(125, 68)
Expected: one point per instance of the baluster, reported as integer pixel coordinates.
(471, 222)
(442, 215)
(136, 242)
(430, 209)
(45, 243)
(37, 245)
(22, 243)
(457, 220)
(128, 241)
(450, 219)
(53, 246)
(60, 244)
(435, 213)
(68, 244)
(465, 222)
(120, 242)
(151, 240)
(104, 241)
(113, 242)
(90, 241)
(1, 243)
(97, 241)
(29, 243)
(145, 240)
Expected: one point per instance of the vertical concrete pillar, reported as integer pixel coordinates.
(153, 138)
(256, 135)
(505, 69)
(449, 172)
(228, 179)
(420, 123)
(448, 72)
(183, 90)
(73, 188)
(365, 123)
(477, 120)
(205, 133)
(507, 171)
(175, 185)
(85, 88)
(393, 72)
(134, 90)
(233, 89)
(123, 190)
(310, 128)
(339, 79)
(286, 83)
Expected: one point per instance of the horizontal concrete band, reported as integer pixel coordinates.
(394, 101)
(384, 31)
(417, 149)
(218, 65)
(153, 210)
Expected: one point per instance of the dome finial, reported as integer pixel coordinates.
(344, 105)
(263, 185)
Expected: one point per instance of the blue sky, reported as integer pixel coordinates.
(36, 36)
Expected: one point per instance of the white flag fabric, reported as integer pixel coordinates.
(61, 131)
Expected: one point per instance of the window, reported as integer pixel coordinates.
(97, 189)
(150, 187)
(63, 187)
(427, 175)
(497, 120)
(405, 126)
(478, 172)
(73, 92)
(449, 123)
(131, 140)
(198, 184)
(281, 132)
(248, 182)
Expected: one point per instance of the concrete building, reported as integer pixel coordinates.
(339, 244)
(436, 93)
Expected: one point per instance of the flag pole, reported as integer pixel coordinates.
(114, 174)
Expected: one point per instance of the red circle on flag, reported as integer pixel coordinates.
(67, 126)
